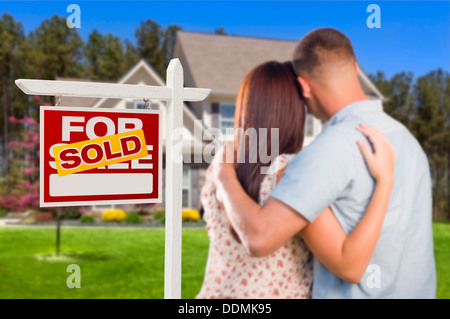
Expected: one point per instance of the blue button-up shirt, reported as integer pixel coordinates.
(331, 171)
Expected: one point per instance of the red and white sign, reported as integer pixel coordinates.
(127, 182)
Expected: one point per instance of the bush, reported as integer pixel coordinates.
(24, 195)
(142, 212)
(70, 213)
(2, 212)
(190, 215)
(43, 217)
(66, 213)
(160, 215)
(133, 218)
(88, 219)
(113, 215)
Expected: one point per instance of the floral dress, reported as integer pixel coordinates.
(231, 272)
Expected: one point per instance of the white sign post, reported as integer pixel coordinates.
(174, 94)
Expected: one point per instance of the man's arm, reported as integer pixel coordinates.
(262, 230)
(349, 256)
(304, 191)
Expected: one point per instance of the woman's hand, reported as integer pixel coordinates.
(381, 162)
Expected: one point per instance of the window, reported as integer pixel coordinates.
(186, 187)
(227, 118)
(139, 105)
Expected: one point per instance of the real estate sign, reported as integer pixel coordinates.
(97, 157)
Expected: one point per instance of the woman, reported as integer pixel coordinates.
(270, 97)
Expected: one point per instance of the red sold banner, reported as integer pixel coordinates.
(99, 157)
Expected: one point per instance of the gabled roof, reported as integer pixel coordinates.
(126, 78)
(187, 113)
(220, 62)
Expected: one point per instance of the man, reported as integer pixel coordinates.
(331, 172)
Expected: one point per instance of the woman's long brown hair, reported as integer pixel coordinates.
(270, 97)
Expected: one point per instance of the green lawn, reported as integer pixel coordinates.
(442, 254)
(114, 263)
(122, 262)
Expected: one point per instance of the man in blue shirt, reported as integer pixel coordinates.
(331, 172)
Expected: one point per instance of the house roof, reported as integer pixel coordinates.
(220, 62)
(126, 78)
(188, 116)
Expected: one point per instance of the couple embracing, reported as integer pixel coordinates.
(348, 216)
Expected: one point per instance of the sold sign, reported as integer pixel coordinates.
(103, 151)
(93, 156)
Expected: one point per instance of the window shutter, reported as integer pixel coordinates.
(309, 125)
(215, 114)
(195, 188)
(215, 108)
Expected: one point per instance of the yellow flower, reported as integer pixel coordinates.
(111, 215)
(190, 214)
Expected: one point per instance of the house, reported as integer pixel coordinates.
(218, 62)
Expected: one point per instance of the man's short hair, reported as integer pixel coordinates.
(321, 46)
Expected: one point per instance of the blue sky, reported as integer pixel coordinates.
(414, 35)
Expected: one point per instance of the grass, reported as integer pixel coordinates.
(114, 263)
(122, 262)
(441, 233)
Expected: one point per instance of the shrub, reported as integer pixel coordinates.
(190, 215)
(142, 212)
(24, 195)
(43, 217)
(2, 212)
(70, 213)
(133, 218)
(160, 215)
(113, 215)
(88, 219)
(24, 149)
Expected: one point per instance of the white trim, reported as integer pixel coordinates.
(371, 86)
(223, 93)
